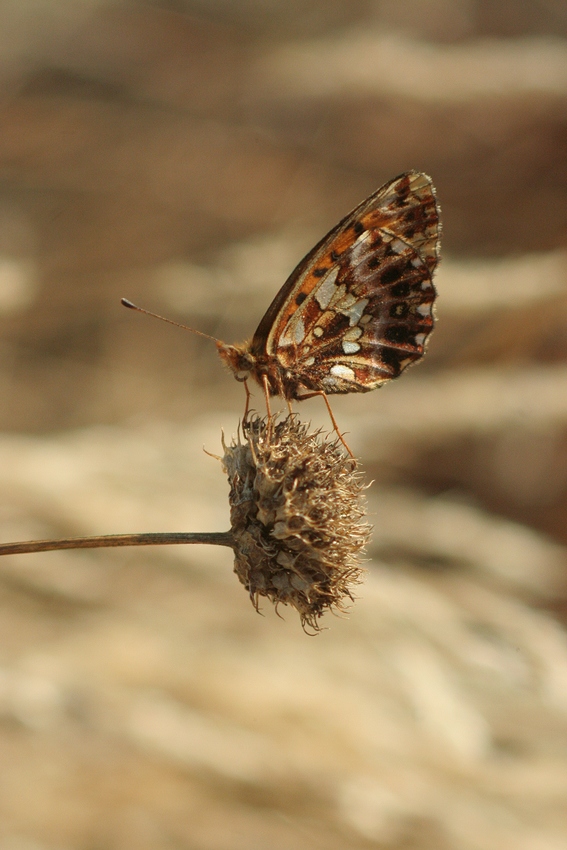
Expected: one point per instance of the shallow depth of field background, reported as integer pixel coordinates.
(186, 155)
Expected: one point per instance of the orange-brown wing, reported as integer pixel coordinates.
(358, 308)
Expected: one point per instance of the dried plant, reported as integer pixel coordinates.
(297, 519)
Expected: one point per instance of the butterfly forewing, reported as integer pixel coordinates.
(358, 308)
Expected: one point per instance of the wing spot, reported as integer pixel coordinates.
(365, 319)
(424, 309)
(294, 332)
(391, 275)
(326, 289)
(338, 294)
(360, 247)
(350, 347)
(344, 372)
(364, 237)
(397, 246)
(420, 339)
(299, 331)
(401, 290)
(300, 298)
(353, 333)
(355, 312)
(318, 332)
(358, 227)
(392, 358)
(398, 310)
(346, 302)
(309, 362)
(320, 272)
(398, 334)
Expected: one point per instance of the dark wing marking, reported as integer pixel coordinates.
(375, 325)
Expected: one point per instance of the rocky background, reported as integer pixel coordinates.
(186, 155)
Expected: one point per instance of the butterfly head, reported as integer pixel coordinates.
(238, 359)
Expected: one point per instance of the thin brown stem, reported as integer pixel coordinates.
(221, 538)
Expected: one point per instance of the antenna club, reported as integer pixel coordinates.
(126, 303)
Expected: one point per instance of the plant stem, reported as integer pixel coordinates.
(221, 538)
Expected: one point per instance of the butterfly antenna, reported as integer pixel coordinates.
(131, 306)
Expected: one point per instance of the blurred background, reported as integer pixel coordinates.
(186, 155)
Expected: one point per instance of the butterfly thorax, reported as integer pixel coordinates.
(244, 364)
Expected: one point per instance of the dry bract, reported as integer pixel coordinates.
(297, 516)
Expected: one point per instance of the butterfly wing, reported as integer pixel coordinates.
(358, 308)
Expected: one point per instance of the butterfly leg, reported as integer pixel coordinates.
(331, 414)
(248, 397)
(267, 397)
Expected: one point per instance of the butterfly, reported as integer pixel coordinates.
(358, 309)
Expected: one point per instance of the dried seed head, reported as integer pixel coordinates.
(297, 517)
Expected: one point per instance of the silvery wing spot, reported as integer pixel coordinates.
(358, 308)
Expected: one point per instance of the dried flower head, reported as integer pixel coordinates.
(297, 516)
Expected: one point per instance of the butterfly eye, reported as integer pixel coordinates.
(242, 375)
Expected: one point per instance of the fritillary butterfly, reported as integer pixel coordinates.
(358, 308)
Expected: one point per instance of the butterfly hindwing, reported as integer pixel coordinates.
(358, 308)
